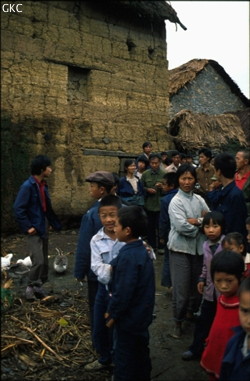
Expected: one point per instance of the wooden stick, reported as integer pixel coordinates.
(17, 338)
(38, 338)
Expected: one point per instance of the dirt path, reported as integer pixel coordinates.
(165, 351)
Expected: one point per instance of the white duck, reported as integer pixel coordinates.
(26, 261)
(5, 261)
(60, 262)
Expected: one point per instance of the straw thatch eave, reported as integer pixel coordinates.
(147, 9)
(244, 117)
(180, 76)
(191, 131)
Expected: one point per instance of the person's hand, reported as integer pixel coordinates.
(203, 213)
(81, 281)
(214, 185)
(32, 231)
(193, 221)
(109, 322)
(151, 190)
(158, 185)
(200, 287)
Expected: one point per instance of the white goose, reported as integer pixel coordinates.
(26, 261)
(5, 261)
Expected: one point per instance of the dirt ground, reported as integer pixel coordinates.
(68, 298)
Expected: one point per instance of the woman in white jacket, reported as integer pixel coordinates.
(185, 241)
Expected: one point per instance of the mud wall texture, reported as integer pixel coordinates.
(83, 86)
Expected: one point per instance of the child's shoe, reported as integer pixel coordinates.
(39, 292)
(95, 365)
(188, 355)
(177, 331)
(29, 293)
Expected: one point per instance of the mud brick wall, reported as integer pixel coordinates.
(83, 86)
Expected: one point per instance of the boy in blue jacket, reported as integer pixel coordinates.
(132, 302)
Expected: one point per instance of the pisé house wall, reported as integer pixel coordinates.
(82, 86)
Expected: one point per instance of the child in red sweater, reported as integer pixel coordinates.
(227, 268)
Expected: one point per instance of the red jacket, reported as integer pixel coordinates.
(226, 318)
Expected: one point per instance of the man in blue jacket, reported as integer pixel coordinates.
(229, 199)
(170, 189)
(101, 184)
(34, 214)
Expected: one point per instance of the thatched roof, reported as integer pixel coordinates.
(244, 116)
(186, 73)
(191, 131)
(146, 9)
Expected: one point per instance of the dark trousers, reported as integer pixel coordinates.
(153, 227)
(102, 336)
(132, 361)
(202, 326)
(92, 290)
(38, 251)
(166, 276)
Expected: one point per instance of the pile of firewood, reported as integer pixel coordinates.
(48, 339)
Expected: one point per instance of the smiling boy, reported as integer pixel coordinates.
(104, 247)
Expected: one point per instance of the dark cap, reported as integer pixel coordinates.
(102, 177)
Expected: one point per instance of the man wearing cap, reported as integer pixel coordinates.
(101, 184)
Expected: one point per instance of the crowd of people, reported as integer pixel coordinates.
(197, 216)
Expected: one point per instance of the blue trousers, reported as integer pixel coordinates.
(102, 336)
(131, 356)
(166, 276)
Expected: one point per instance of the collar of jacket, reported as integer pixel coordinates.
(185, 194)
(227, 188)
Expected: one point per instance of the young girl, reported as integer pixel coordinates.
(236, 360)
(130, 188)
(226, 271)
(213, 228)
(235, 241)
